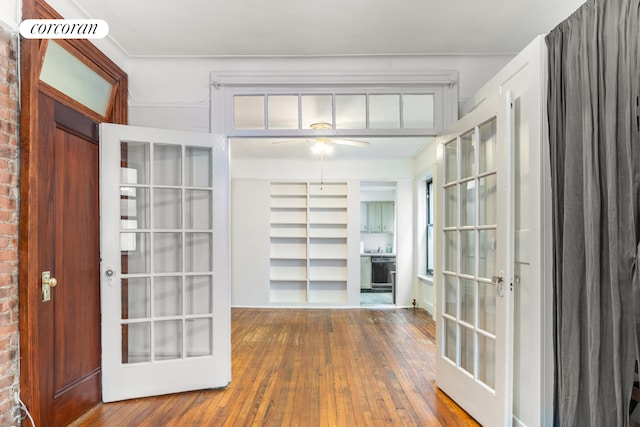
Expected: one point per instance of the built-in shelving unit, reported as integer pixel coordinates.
(308, 243)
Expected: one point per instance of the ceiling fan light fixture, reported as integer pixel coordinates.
(322, 147)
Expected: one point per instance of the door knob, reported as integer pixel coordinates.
(48, 280)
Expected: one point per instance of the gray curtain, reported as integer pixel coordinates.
(595, 174)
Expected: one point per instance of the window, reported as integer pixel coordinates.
(429, 226)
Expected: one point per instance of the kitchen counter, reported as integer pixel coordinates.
(377, 254)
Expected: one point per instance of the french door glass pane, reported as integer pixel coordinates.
(168, 339)
(468, 301)
(468, 252)
(450, 344)
(134, 208)
(488, 146)
(167, 208)
(167, 296)
(136, 298)
(467, 347)
(167, 252)
(198, 167)
(167, 161)
(451, 206)
(451, 161)
(451, 295)
(198, 247)
(487, 200)
(134, 156)
(199, 333)
(468, 154)
(486, 361)
(451, 251)
(136, 338)
(198, 215)
(468, 203)
(198, 294)
(136, 251)
(487, 307)
(487, 255)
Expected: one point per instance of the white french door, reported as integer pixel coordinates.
(474, 270)
(164, 199)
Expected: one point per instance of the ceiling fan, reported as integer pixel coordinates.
(324, 144)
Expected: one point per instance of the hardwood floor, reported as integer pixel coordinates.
(311, 367)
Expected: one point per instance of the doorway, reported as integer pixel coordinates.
(60, 372)
(378, 238)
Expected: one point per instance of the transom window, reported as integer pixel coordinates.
(340, 110)
(274, 105)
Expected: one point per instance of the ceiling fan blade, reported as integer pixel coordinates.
(287, 141)
(351, 142)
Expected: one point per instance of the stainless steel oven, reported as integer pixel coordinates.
(381, 271)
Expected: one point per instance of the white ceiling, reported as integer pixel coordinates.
(330, 27)
(259, 28)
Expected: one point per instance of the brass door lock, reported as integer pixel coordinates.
(48, 282)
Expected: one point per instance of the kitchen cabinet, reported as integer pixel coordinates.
(388, 216)
(380, 217)
(365, 272)
(364, 217)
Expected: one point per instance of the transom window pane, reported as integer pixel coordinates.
(71, 76)
(351, 111)
(417, 111)
(248, 112)
(384, 111)
(316, 109)
(283, 111)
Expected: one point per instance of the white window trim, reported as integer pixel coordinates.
(225, 85)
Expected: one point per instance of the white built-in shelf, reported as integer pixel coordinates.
(308, 243)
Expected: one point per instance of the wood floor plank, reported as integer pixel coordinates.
(318, 367)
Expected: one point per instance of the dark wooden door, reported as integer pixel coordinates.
(69, 234)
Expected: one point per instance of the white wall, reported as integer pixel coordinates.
(10, 14)
(250, 205)
(424, 166)
(174, 92)
(70, 10)
(250, 220)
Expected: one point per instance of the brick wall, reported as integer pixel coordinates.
(9, 342)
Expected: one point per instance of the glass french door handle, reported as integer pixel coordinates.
(109, 273)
